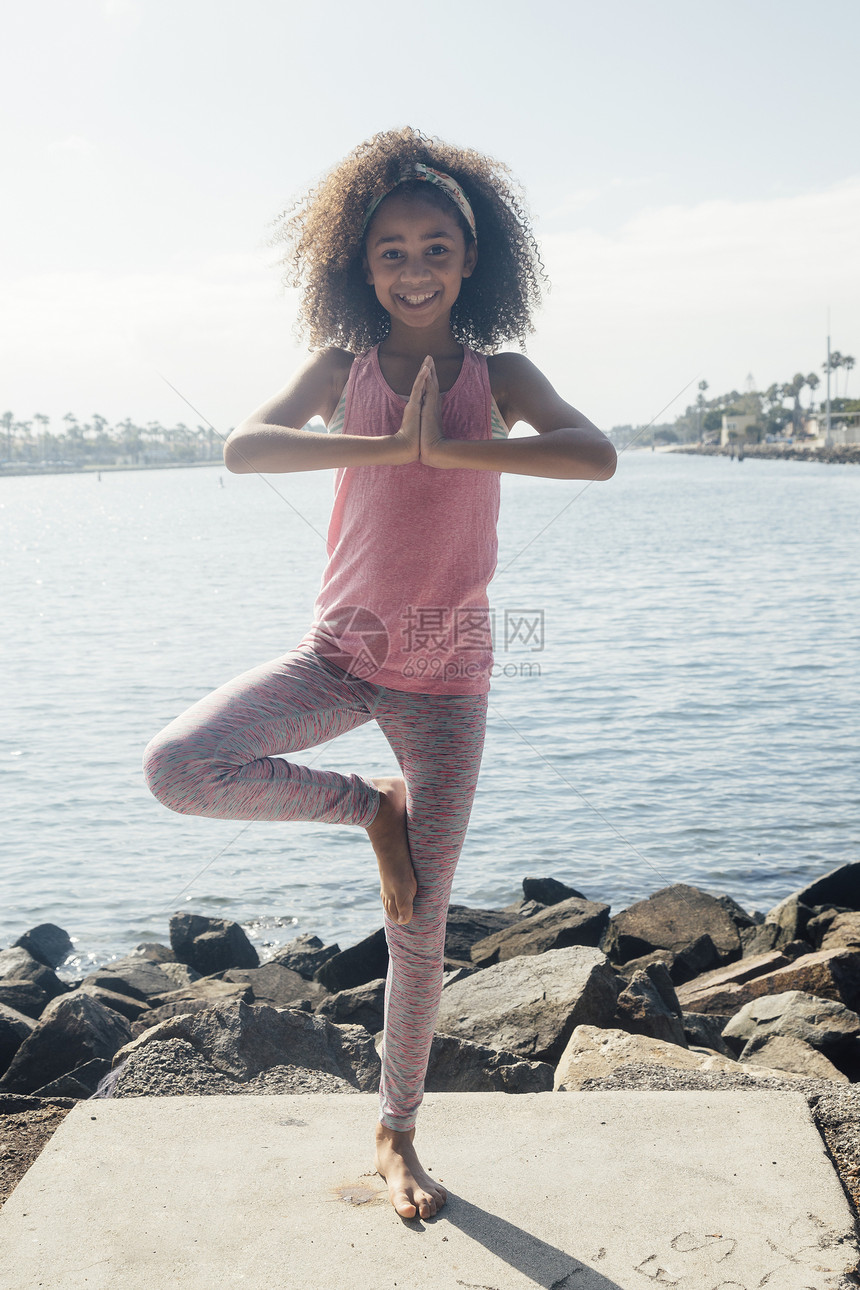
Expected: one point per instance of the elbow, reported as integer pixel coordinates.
(610, 463)
(234, 459)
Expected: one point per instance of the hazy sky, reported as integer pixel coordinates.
(693, 168)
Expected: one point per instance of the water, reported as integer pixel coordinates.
(692, 716)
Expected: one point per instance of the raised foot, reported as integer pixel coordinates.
(388, 837)
(413, 1193)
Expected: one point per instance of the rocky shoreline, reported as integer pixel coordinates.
(684, 989)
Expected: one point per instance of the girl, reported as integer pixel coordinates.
(416, 261)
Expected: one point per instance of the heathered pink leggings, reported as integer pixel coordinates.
(220, 758)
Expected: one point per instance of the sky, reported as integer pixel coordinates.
(693, 170)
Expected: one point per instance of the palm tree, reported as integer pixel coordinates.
(848, 364)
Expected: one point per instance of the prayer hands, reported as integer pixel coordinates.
(432, 433)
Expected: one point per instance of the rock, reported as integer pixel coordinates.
(356, 965)
(642, 1009)
(79, 1083)
(305, 954)
(702, 1031)
(458, 973)
(760, 939)
(23, 996)
(72, 1030)
(173, 1067)
(134, 976)
(666, 957)
(677, 918)
(739, 916)
(842, 931)
(840, 886)
(466, 926)
(524, 909)
(47, 943)
(14, 1029)
(363, 1005)
(156, 952)
(530, 1005)
(592, 1054)
(820, 1023)
(790, 916)
(19, 965)
(831, 974)
(129, 1008)
(276, 985)
(457, 1066)
(179, 973)
(204, 994)
(210, 944)
(549, 891)
(571, 922)
(785, 1053)
(240, 1041)
(720, 989)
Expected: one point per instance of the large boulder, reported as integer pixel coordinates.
(648, 1005)
(210, 944)
(574, 921)
(467, 926)
(549, 891)
(697, 927)
(821, 1023)
(842, 931)
(80, 1083)
(305, 954)
(357, 965)
(24, 996)
(593, 1053)
(530, 1005)
(203, 994)
(135, 976)
(457, 1066)
(18, 964)
(840, 886)
(240, 1041)
(277, 985)
(831, 974)
(15, 1027)
(702, 1031)
(47, 943)
(363, 1005)
(175, 1068)
(72, 1030)
(129, 1008)
(785, 1053)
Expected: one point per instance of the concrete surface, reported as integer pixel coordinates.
(567, 1191)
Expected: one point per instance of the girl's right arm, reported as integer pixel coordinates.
(271, 440)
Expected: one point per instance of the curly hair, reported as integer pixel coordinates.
(323, 233)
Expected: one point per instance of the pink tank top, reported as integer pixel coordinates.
(403, 601)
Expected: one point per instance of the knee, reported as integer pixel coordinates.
(173, 774)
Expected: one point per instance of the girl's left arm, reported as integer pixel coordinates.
(567, 445)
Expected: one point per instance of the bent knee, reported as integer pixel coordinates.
(176, 775)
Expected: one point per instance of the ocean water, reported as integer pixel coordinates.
(676, 697)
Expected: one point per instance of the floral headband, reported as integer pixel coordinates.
(449, 187)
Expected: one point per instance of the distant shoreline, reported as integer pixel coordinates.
(97, 470)
(849, 455)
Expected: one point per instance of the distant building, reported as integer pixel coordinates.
(735, 428)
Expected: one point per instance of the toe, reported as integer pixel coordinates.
(404, 1206)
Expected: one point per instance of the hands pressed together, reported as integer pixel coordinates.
(420, 435)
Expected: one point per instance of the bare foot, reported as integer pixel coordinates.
(388, 838)
(414, 1194)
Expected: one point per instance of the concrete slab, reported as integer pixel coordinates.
(567, 1191)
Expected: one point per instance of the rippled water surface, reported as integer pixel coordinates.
(692, 716)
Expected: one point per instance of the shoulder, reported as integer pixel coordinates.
(329, 370)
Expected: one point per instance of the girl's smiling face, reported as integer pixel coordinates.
(416, 258)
